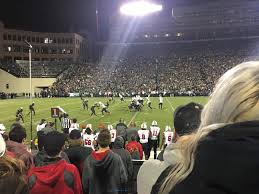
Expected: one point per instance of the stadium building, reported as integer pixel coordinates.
(70, 47)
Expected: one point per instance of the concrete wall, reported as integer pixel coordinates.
(22, 85)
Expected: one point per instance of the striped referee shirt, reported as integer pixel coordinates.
(65, 123)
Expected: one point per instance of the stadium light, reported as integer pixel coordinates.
(140, 8)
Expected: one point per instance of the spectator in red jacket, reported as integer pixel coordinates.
(56, 176)
(132, 145)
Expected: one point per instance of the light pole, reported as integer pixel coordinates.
(30, 48)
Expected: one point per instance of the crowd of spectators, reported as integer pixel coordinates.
(39, 69)
(179, 69)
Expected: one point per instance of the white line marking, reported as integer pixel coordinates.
(170, 104)
(134, 116)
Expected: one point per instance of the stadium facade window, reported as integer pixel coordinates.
(63, 41)
(44, 50)
(17, 48)
(54, 40)
(37, 39)
(25, 49)
(46, 40)
(9, 37)
(67, 40)
(71, 41)
(28, 38)
(8, 58)
(19, 38)
(36, 59)
(45, 59)
(36, 50)
(26, 58)
(53, 51)
(59, 41)
(33, 39)
(41, 40)
(14, 37)
(5, 37)
(23, 38)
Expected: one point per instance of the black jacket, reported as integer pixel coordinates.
(125, 156)
(103, 176)
(226, 162)
(77, 155)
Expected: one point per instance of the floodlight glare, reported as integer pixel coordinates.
(140, 8)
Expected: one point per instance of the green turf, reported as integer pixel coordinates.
(73, 107)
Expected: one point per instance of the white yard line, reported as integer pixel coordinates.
(134, 116)
(170, 104)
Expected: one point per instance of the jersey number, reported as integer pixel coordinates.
(154, 133)
(88, 142)
(169, 138)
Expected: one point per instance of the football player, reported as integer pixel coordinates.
(143, 134)
(155, 137)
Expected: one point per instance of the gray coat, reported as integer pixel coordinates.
(152, 169)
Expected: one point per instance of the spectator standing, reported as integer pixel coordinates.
(16, 145)
(135, 149)
(226, 143)
(104, 171)
(55, 176)
(186, 121)
(76, 152)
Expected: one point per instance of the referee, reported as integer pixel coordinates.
(65, 123)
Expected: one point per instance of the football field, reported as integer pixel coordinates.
(73, 106)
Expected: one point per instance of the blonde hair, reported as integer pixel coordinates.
(233, 100)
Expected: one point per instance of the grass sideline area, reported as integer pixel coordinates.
(73, 106)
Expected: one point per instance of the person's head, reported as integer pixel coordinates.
(234, 99)
(17, 133)
(42, 121)
(75, 138)
(53, 143)
(119, 142)
(12, 176)
(50, 124)
(74, 120)
(187, 118)
(104, 138)
(88, 131)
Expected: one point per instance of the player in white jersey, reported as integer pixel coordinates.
(113, 133)
(168, 136)
(88, 138)
(144, 135)
(73, 125)
(155, 137)
(161, 100)
(121, 97)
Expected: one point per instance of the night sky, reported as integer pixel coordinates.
(60, 15)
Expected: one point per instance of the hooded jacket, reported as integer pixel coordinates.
(226, 162)
(103, 173)
(132, 145)
(77, 155)
(20, 152)
(125, 156)
(55, 177)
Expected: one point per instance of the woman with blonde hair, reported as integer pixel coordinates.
(222, 157)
